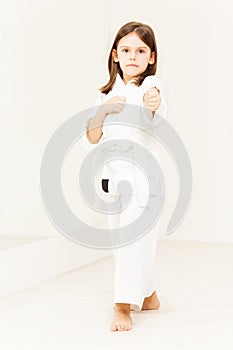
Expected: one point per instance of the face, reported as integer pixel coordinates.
(133, 56)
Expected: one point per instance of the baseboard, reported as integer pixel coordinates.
(26, 265)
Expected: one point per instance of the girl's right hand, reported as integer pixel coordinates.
(114, 104)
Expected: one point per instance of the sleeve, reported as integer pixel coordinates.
(86, 143)
(99, 99)
(149, 82)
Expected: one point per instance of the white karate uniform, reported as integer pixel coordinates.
(134, 263)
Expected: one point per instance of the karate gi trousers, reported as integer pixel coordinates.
(134, 275)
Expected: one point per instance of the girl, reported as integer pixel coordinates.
(132, 66)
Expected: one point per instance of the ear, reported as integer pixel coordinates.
(114, 55)
(152, 58)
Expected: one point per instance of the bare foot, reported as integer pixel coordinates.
(151, 303)
(122, 320)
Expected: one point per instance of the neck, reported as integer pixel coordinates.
(127, 78)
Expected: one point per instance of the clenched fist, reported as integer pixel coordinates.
(114, 105)
(152, 99)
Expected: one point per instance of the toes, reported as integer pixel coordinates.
(123, 328)
(120, 327)
(113, 327)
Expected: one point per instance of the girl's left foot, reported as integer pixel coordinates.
(151, 303)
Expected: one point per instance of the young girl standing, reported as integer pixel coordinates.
(132, 66)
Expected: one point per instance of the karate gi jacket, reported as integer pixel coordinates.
(119, 170)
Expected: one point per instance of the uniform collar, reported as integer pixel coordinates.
(120, 82)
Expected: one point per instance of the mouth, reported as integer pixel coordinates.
(132, 65)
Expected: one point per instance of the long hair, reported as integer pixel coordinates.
(146, 34)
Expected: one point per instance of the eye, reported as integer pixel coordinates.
(141, 51)
(125, 50)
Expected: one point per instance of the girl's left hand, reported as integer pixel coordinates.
(152, 99)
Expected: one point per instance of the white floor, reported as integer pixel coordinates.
(74, 310)
(13, 241)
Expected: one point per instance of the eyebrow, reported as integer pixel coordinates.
(139, 47)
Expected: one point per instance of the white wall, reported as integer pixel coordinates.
(52, 55)
(195, 64)
(45, 46)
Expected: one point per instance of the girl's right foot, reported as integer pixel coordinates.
(122, 320)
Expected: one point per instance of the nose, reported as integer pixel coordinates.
(132, 55)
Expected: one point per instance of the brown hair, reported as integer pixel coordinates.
(146, 34)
